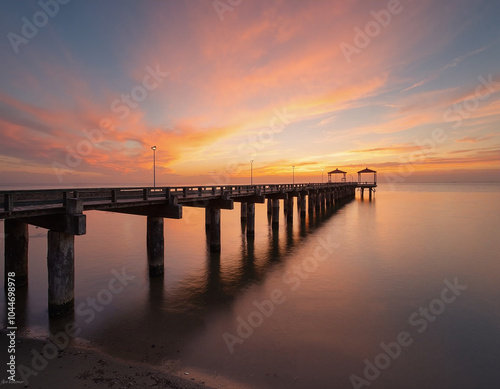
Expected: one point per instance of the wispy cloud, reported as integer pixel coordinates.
(395, 149)
(476, 139)
(440, 71)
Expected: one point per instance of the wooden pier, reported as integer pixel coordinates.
(62, 213)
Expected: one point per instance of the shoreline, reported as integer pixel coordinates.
(81, 366)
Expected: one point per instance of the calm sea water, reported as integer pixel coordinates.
(307, 306)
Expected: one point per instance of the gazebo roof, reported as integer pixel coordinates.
(366, 170)
(337, 171)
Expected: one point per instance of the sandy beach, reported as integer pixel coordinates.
(81, 366)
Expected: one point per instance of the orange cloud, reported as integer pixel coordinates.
(396, 149)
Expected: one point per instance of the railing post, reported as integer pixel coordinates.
(145, 193)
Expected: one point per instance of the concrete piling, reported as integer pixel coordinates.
(207, 219)
(61, 272)
(155, 245)
(289, 203)
(302, 205)
(276, 212)
(251, 219)
(244, 211)
(214, 233)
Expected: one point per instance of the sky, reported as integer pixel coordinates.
(408, 88)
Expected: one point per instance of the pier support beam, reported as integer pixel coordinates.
(276, 212)
(207, 219)
(302, 205)
(289, 206)
(269, 205)
(16, 251)
(214, 233)
(251, 219)
(155, 245)
(244, 211)
(61, 272)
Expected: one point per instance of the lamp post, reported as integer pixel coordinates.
(154, 166)
(251, 172)
(293, 175)
(322, 175)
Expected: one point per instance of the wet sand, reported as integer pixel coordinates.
(83, 367)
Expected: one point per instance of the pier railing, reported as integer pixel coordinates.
(55, 198)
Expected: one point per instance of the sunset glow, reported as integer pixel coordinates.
(411, 89)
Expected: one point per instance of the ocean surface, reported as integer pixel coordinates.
(399, 292)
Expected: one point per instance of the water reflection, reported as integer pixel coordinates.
(219, 284)
(58, 325)
(159, 324)
(338, 317)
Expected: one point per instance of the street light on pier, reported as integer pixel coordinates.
(154, 166)
(293, 175)
(322, 170)
(251, 172)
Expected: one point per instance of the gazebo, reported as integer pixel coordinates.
(335, 172)
(370, 185)
(369, 171)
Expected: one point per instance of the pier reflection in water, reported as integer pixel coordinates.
(178, 306)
